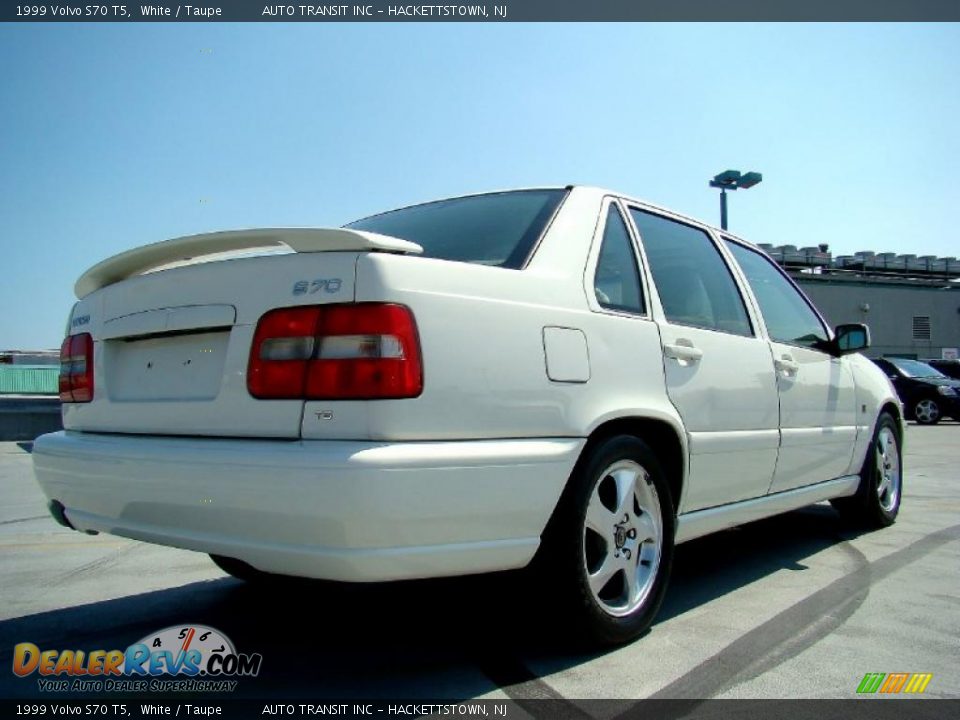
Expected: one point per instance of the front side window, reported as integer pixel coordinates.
(617, 280)
(692, 279)
(494, 229)
(788, 317)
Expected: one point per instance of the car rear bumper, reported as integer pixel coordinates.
(339, 510)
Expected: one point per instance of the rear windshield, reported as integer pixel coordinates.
(494, 229)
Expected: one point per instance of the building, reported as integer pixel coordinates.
(29, 372)
(29, 357)
(912, 304)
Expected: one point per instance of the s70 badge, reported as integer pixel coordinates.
(311, 287)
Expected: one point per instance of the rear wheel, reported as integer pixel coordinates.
(877, 501)
(927, 411)
(609, 547)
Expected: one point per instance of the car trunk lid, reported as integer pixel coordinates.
(172, 325)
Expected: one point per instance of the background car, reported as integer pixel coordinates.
(927, 393)
(950, 368)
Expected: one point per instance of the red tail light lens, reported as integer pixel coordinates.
(362, 351)
(76, 368)
(276, 370)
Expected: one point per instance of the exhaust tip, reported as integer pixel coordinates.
(57, 510)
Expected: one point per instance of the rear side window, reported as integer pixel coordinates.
(692, 279)
(494, 229)
(786, 314)
(617, 281)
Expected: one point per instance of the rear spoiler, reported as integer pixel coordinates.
(301, 240)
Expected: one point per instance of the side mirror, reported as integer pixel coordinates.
(850, 338)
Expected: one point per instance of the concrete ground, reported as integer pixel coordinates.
(797, 606)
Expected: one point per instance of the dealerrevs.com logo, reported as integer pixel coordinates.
(182, 658)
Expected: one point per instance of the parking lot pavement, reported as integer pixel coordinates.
(794, 606)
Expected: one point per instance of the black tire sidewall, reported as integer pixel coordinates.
(873, 512)
(596, 625)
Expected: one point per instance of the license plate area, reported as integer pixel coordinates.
(184, 366)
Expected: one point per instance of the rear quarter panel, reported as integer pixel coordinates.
(482, 339)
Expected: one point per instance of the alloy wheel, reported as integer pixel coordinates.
(888, 469)
(927, 411)
(622, 538)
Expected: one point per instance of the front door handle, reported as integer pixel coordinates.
(684, 351)
(786, 365)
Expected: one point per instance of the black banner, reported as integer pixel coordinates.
(187, 707)
(497, 11)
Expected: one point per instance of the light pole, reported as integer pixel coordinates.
(732, 180)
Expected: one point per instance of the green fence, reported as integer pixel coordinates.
(28, 379)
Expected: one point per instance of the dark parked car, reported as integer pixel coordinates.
(950, 368)
(927, 393)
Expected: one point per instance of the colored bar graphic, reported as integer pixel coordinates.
(871, 682)
(918, 682)
(894, 682)
(914, 683)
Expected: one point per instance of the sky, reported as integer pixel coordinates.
(118, 135)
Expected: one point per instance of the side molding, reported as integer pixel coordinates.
(703, 522)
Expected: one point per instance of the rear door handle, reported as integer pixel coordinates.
(683, 350)
(787, 365)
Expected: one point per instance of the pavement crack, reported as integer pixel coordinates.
(529, 691)
(25, 519)
(796, 628)
(91, 566)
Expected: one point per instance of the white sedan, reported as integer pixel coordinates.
(562, 378)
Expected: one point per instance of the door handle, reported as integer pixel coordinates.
(787, 365)
(684, 351)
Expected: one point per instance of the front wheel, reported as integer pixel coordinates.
(877, 501)
(609, 547)
(927, 411)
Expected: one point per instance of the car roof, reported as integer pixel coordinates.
(593, 189)
(667, 211)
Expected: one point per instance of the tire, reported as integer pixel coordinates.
(877, 501)
(241, 570)
(608, 548)
(926, 411)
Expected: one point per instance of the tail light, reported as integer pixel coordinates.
(76, 368)
(360, 351)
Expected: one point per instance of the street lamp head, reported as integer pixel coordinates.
(728, 179)
(731, 180)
